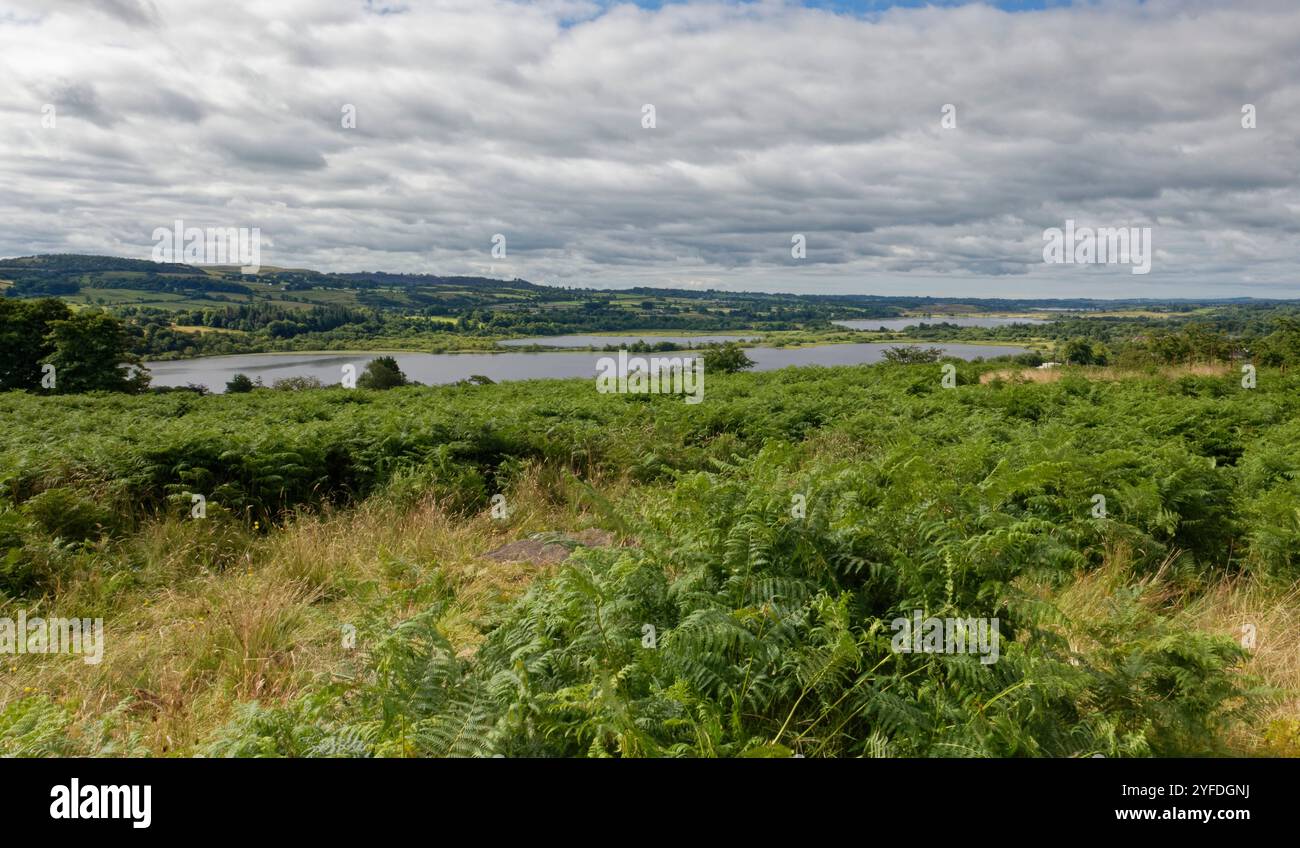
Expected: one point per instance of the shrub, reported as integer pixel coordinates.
(381, 373)
(727, 358)
(912, 355)
(239, 383)
(297, 384)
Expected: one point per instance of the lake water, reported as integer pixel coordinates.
(433, 368)
(622, 341)
(960, 321)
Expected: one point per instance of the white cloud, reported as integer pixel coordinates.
(487, 116)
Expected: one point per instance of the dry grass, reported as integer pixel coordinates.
(213, 616)
(1273, 611)
(1104, 373)
(1224, 609)
(1023, 375)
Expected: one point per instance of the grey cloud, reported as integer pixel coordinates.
(170, 104)
(269, 150)
(79, 100)
(135, 12)
(483, 116)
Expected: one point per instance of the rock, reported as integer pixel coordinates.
(548, 548)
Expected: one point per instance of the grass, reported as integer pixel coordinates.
(1053, 375)
(1266, 616)
(1225, 608)
(191, 638)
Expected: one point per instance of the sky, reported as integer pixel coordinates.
(916, 148)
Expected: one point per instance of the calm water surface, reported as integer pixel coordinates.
(433, 368)
(622, 341)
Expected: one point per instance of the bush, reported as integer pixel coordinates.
(381, 373)
(1081, 351)
(239, 384)
(726, 358)
(912, 355)
(297, 384)
(1032, 359)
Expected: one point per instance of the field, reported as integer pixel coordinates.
(1136, 534)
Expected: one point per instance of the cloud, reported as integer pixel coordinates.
(476, 117)
(134, 12)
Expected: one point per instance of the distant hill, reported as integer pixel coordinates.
(382, 278)
(62, 274)
(114, 281)
(87, 262)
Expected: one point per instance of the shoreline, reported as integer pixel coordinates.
(872, 337)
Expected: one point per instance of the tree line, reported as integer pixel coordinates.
(47, 347)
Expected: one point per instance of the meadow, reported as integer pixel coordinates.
(335, 600)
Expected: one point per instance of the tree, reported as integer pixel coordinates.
(726, 358)
(24, 331)
(912, 355)
(1282, 346)
(239, 384)
(282, 329)
(1208, 344)
(92, 352)
(381, 373)
(1081, 351)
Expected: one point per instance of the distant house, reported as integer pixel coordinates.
(1048, 365)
